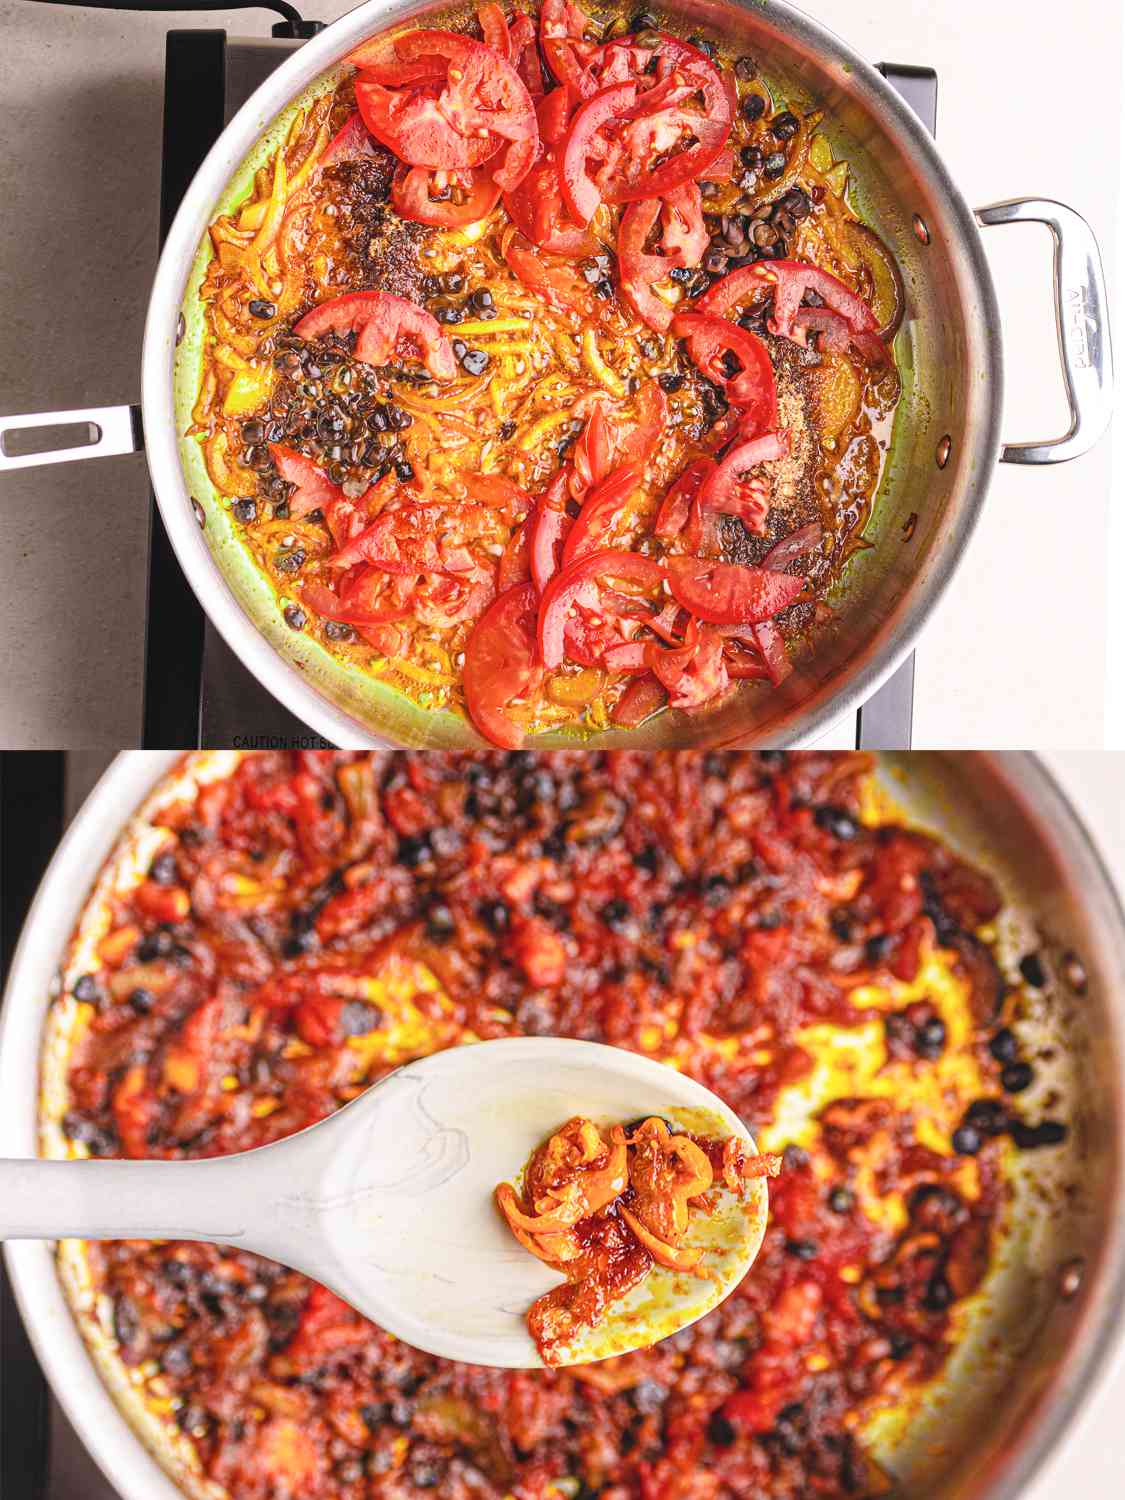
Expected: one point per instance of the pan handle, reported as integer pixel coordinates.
(110, 430)
(1082, 319)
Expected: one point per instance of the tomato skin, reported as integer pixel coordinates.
(410, 124)
(514, 563)
(639, 442)
(351, 142)
(694, 673)
(753, 389)
(581, 583)
(727, 593)
(579, 192)
(684, 240)
(601, 508)
(315, 491)
(536, 208)
(331, 606)
(772, 646)
(494, 29)
(789, 280)
(562, 25)
(724, 491)
(680, 509)
(525, 54)
(559, 285)
(547, 526)
(410, 195)
(383, 323)
(500, 664)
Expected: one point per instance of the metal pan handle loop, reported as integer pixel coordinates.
(1082, 319)
(110, 430)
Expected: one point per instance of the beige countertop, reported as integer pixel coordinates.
(1024, 108)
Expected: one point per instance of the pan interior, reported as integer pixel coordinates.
(1017, 1340)
(922, 514)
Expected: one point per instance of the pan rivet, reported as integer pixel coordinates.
(1070, 1277)
(198, 512)
(921, 229)
(944, 449)
(181, 329)
(1074, 972)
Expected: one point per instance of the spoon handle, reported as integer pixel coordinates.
(112, 1200)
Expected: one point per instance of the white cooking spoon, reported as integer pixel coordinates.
(389, 1201)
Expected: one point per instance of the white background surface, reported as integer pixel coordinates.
(1030, 103)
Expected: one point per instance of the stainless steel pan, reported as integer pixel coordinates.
(1041, 1327)
(946, 439)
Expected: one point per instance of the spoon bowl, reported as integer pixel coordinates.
(389, 1201)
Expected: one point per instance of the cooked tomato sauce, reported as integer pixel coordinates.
(315, 919)
(604, 1209)
(567, 434)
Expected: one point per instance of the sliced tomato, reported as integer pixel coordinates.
(727, 593)
(525, 54)
(315, 491)
(537, 209)
(548, 525)
(711, 342)
(494, 29)
(378, 60)
(500, 664)
(562, 35)
(554, 113)
(442, 601)
(583, 583)
(501, 492)
(445, 199)
(673, 133)
(604, 505)
(514, 563)
(351, 142)
(679, 510)
(388, 328)
(685, 238)
(733, 489)
(409, 122)
(789, 281)
(640, 700)
(593, 452)
(371, 601)
(559, 285)
(483, 93)
(635, 438)
(694, 673)
(580, 194)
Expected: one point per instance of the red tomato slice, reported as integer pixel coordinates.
(559, 285)
(728, 594)
(562, 35)
(379, 62)
(351, 141)
(525, 54)
(582, 584)
(681, 502)
(593, 452)
(413, 189)
(684, 240)
(555, 112)
(388, 328)
(315, 491)
(580, 194)
(500, 664)
(548, 525)
(734, 490)
(500, 491)
(410, 123)
(648, 161)
(482, 93)
(331, 606)
(789, 280)
(514, 563)
(709, 340)
(771, 644)
(602, 507)
(640, 700)
(693, 674)
(635, 440)
(494, 29)
(536, 208)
